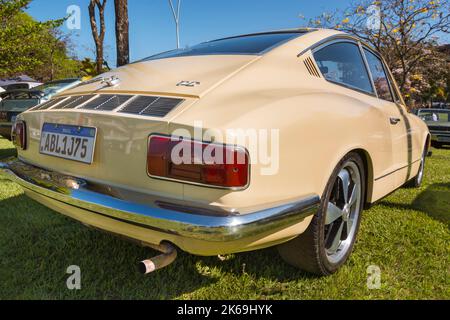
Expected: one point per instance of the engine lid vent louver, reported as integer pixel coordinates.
(73, 102)
(311, 67)
(107, 102)
(151, 106)
(139, 105)
(48, 104)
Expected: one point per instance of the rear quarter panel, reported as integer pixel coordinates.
(318, 124)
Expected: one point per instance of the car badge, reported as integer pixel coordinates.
(188, 84)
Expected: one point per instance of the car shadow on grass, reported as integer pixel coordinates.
(264, 263)
(434, 201)
(39, 245)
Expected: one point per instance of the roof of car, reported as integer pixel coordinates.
(296, 30)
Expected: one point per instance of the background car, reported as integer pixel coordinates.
(20, 82)
(440, 105)
(13, 103)
(438, 122)
(104, 153)
(16, 101)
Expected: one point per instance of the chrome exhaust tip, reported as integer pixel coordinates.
(168, 256)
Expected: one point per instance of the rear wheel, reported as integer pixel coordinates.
(328, 242)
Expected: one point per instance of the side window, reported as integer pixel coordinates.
(380, 78)
(342, 63)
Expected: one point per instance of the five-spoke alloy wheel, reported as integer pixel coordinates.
(343, 211)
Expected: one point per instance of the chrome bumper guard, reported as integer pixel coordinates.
(188, 222)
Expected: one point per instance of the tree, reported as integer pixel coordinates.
(20, 37)
(57, 63)
(22, 49)
(98, 34)
(122, 32)
(89, 68)
(405, 32)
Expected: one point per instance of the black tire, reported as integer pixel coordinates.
(307, 251)
(416, 182)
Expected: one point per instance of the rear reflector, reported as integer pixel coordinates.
(198, 162)
(19, 135)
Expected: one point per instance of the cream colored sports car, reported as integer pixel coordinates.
(269, 139)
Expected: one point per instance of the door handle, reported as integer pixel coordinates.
(394, 121)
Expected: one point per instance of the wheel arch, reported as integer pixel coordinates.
(368, 169)
(428, 141)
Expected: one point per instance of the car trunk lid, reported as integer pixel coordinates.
(182, 76)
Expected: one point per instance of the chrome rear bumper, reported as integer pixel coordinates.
(185, 221)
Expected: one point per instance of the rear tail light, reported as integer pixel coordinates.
(19, 134)
(198, 162)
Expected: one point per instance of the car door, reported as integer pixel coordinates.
(396, 116)
(342, 62)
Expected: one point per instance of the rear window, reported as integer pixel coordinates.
(17, 86)
(251, 44)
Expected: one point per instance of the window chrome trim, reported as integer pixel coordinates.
(387, 74)
(332, 38)
(366, 63)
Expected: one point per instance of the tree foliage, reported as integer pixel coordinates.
(38, 49)
(406, 32)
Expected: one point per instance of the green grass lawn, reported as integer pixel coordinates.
(406, 235)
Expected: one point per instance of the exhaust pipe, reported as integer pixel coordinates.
(169, 254)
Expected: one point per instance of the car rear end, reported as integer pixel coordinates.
(107, 165)
(101, 153)
(440, 134)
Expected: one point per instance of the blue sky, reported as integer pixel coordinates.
(152, 28)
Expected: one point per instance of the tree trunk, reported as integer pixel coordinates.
(99, 35)
(122, 32)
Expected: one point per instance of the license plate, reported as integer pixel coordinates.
(68, 142)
